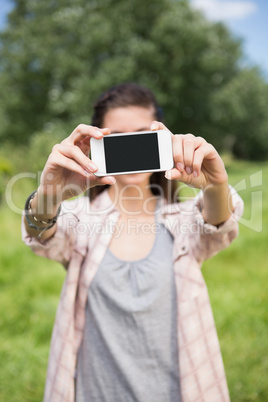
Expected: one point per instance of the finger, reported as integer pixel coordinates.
(177, 151)
(84, 145)
(188, 152)
(74, 152)
(81, 132)
(105, 180)
(105, 131)
(199, 156)
(59, 159)
(197, 161)
(173, 174)
(86, 140)
(158, 125)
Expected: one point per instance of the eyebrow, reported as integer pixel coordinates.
(140, 129)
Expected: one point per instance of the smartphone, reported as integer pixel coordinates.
(127, 153)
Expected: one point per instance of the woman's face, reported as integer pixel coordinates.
(130, 119)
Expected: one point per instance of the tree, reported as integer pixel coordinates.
(242, 115)
(58, 55)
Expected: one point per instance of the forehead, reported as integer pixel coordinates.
(127, 119)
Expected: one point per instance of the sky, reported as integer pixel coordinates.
(247, 19)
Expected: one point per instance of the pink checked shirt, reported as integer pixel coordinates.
(83, 234)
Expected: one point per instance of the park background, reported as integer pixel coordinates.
(56, 57)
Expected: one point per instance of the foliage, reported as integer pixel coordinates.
(40, 147)
(27, 160)
(6, 170)
(56, 56)
(242, 113)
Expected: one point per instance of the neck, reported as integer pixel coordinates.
(133, 199)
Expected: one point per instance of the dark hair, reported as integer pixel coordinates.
(127, 94)
(131, 94)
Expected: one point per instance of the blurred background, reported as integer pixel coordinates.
(207, 62)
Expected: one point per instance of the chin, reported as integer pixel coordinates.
(136, 178)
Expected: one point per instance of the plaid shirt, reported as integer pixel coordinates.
(83, 234)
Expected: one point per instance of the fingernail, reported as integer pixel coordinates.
(92, 167)
(188, 170)
(154, 126)
(180, 166)
(168, 174)
(195, 173)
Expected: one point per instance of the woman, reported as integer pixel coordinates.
(134, 322)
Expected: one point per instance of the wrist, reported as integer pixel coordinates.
(36, 221)
(222, 180)
(44, 207)
(46, 203)
(219, 186)
(217, 203)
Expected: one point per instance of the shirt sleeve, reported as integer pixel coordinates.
(212, 239)
(61, 245)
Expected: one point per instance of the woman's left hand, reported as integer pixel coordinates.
(196, 162)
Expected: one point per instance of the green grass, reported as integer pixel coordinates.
(236, 278)
(238, 288)
(29, 292)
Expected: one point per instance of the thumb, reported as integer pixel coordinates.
(158, 125)
(105, 180)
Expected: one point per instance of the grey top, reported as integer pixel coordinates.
(130, 351)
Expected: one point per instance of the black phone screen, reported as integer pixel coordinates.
(135, 152)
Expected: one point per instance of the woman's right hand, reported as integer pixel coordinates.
(69, 171)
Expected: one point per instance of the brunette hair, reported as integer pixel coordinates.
(131, 94)
(122, 95)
